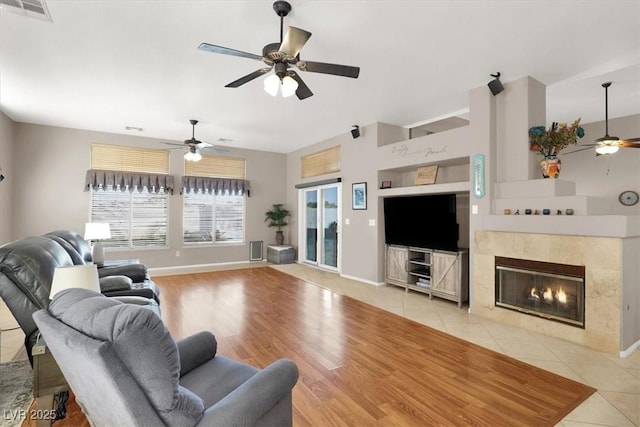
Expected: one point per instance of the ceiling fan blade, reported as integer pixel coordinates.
(303, 91)
(585, 147)
(214, 150)
(335, 69)
(630, 143)
(293, 41)
(249, 77)
(227, 51)
(175, 145)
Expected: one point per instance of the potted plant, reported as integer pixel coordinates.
(549, 143)
(277, 217)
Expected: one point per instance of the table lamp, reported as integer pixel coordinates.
(96, 231)
(75, 276)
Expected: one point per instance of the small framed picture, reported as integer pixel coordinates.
(385, 184)
(426, 175)
(359, 196)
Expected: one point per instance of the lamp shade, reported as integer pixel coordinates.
(272, 84)
(97, 231)
(289, 86)
(75, 276)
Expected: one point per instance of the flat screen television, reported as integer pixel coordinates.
(423, 221)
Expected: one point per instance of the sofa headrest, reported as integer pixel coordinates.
(138, 336)
(78, 243)
(30, 262)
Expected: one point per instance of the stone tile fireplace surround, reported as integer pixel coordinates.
(602, 258)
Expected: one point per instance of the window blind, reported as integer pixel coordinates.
(129, 159)
(214, 213)
(321, 163)
(217, 167)
(126, 194)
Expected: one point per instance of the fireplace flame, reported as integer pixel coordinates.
(534, 295)
(562, 296)
(548, 295)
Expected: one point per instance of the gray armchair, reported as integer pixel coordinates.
(125, 369)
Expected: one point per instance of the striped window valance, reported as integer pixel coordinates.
(215, 185)
(127, 181)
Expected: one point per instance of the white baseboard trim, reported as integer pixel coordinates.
(203, 268)
(359, 279)
(631, 349)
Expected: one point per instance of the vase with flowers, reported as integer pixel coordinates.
(549, 143)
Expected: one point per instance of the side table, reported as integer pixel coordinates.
(47, 381)
(280, 254)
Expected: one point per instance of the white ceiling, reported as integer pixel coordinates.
(103, 65)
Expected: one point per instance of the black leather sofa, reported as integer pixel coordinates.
(26, 273)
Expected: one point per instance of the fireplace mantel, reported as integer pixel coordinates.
(591, 214)
(618, 226)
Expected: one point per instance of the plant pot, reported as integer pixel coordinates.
(550, 167)
(279, 237)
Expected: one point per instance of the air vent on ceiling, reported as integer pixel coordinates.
(31, 8)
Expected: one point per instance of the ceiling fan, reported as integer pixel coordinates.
(195, 148)
(610, 144)
(282, 56)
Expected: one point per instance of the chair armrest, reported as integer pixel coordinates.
(254, 398)
(136, 272)
(196, 349)
(115, 283)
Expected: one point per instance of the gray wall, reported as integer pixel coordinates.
(48, 177)
(6, 186)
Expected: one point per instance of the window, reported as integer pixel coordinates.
(129, 196)
(321, 163)
(214, 212)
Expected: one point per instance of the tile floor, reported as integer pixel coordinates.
(617, 402)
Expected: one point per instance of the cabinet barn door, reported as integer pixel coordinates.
(397, 258)
(445, 274)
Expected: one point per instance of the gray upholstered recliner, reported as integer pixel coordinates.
(125, 369)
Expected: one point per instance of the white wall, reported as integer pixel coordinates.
(6, 187)
(48, 179)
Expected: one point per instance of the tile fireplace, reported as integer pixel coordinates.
(544, 289)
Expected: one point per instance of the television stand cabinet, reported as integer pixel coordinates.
(436, 273)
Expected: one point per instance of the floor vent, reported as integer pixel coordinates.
(30, 8)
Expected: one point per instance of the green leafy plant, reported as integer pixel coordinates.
(550, 142)
(277, 217)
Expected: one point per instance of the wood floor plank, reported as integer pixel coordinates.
(359, 365)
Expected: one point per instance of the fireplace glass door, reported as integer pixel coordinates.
(554, 294)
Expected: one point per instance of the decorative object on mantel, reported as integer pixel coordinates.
(546, 212)
(385, 184)
(278, 218)
(507, 211)
(549, 143)
(569, 211)
(426, 175)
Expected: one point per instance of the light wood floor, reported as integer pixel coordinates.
(359, 365)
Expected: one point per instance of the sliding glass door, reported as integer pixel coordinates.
(320, 237)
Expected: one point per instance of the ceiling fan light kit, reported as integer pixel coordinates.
(280, 57)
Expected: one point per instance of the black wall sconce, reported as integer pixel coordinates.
(355, 131)
(495, 85)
